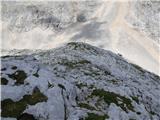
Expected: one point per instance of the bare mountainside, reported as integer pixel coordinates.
(76, 82)
(129, 28)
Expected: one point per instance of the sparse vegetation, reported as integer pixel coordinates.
(93, 116)
(81, 46)
(19, 76)
(110, 97)
(14, 109)
(80, 85)
(87, 106)
(73, 64)
(135, 99)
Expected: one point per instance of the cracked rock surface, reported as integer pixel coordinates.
(76, 81)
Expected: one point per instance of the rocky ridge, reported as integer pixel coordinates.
(77, 81)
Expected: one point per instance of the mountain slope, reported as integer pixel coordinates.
(130, 28)
(74, 82)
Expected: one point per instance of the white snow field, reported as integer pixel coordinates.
(76, 81)
(130, 28)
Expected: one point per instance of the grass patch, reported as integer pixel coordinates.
(73, 64)
(36, 97)
(86, 106)
(14, 109)
(135, 99)
(93, 116)
(11, 108)
(110, 97)
(19, 76)
(81, 46)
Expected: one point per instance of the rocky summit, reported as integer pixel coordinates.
(76, 81)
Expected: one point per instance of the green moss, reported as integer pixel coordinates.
(4, 81)
(135, 99)
(36, 97)
(73, 64)
(19, 76)
(93, 116)
(11, 108)
(14, 109)
(87, 106)
(110, 97)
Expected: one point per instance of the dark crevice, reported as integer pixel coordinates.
(65, 106)
(36, 74)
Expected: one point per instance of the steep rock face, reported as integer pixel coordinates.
(74, 82)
